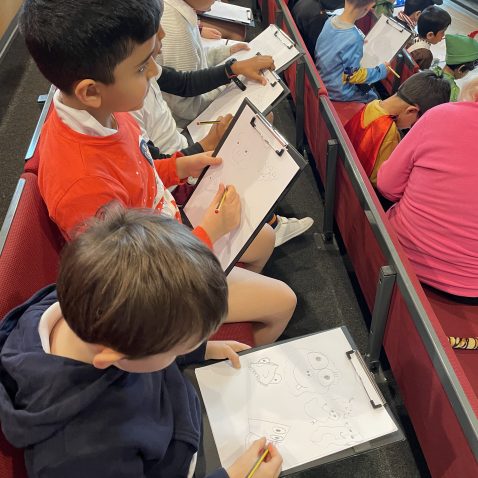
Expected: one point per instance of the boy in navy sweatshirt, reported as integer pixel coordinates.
(90, 383)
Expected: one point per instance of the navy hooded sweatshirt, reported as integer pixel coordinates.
(78, 421)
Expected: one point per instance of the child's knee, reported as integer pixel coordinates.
(288, 300)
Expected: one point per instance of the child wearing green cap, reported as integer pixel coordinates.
(461, 58)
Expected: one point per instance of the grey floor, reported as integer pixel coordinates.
(327, 297)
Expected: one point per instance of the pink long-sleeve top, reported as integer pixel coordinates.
(433, 176)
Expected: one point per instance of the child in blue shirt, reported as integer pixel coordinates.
(90, 371)
(338, 52)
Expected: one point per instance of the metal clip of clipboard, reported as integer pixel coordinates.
(288, 38)
(376, 397)
(265, 130)
(249, 14)
(395, 25)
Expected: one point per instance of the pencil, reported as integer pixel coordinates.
(221, 201)
(258, 464)
(207, 122)
(393, 71)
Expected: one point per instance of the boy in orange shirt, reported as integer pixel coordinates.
(99, 54)
(374, 130)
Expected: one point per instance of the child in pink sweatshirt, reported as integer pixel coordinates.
(432, 176)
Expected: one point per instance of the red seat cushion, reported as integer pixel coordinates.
(239, 331)
(345, 110)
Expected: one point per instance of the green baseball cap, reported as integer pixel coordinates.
(460, 49)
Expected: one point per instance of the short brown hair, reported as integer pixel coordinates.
(140, 284)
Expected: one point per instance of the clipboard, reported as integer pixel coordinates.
(274, 42)
(383, 42)
(264, 98)
(208, 457)
(230, 13)
(260, 164)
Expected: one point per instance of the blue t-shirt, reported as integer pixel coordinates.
(338, 53)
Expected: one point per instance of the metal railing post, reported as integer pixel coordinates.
(383, 296)
(330, 175)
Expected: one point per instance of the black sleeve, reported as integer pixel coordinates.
(192, 83)
(154, 150)
(193, 149)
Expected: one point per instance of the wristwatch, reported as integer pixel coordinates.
(232, 76)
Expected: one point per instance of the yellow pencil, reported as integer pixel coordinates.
(207, 122)
(393, 71)
(221, 201)
(258, 464)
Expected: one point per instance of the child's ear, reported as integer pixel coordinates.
(106, 357)
(430, 36)
(88, 93)
(412, 110)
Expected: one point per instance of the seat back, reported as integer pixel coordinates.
(29, 253)
(29, 246)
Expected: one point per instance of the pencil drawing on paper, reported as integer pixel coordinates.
(265, 372)
(274, 432)
(328, 410)
(268, 172)
(240, 152)
(312, 372)
(339, 435)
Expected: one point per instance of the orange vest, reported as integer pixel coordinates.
(367, 140)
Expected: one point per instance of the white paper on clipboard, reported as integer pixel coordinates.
(303, 395)
(229, 12)
(274, 42)
(383, 42)
(261, 96)
(256, 161)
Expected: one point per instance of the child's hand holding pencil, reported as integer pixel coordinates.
(223, 214)
(261, 460)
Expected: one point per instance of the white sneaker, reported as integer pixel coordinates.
(289, 227)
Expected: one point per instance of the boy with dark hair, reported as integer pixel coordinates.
(412, 10)
(310, 17)
(431, 27)
(339, 51)
(99, 53)
(374, 131)
(90, 378)
(461, 58)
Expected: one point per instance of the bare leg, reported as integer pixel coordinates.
(267, 303)
(259, 251)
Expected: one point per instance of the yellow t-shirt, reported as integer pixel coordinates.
(373, 111)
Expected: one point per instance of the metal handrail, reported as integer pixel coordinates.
(452, 386)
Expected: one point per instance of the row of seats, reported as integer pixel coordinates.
(438, 384)
(30, 246)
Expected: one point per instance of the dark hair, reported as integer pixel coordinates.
(140, 283)
(71, 40)
(468, 66)
(412, 6)
(432, 19)
(425, 90)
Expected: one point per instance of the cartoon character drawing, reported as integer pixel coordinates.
(336, 435)
(265, 371)
(275, 433)
(328, 411)
(313, 372)
(268, 172)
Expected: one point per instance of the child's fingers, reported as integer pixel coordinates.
(232, 356)
(218, 196)
(237, 346)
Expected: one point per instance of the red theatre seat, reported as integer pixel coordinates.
(28, 262)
